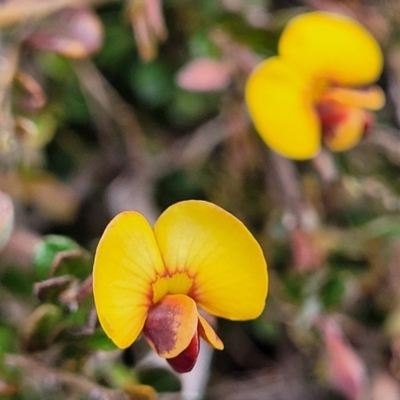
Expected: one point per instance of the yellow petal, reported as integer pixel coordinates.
(280, 102)
(126, 263)
(372, 98)
(349, 131)
(208, 334)
(333, 47)
(179, 283)
(171, 325)
(219, 253)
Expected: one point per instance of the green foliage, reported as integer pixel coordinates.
(160, 379)
(8, 340)
(152, 83)
(16, 281)
(52, 246)
(333, 290)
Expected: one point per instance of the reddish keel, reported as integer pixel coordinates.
(185, 361)
(343, 126)
(333, 115)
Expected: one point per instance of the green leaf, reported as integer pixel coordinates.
(188, 108)
(47, 250)
(100, 341)
(152, 83)
(8, 339)
(333, 291)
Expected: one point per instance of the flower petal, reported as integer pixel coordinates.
(332, 46)
(185, 361)
(171, 325)
(372, 98)
(349, 131)
(208, 334)
(126, 263)
(281, 105)
(179, 283)
(217, 250)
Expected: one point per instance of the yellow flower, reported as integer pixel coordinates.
(152, 280)
(309, 91)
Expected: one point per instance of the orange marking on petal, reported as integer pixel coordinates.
(171, 324)
(208, 334)
(177, 283)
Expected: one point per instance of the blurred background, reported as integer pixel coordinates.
(137, 104)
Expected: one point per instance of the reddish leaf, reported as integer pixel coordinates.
(204, 75)
(347, 370)
(306, 254)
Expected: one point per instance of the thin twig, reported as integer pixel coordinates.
(195, 148)
(285, 177)
(324, 163)
(110, 102)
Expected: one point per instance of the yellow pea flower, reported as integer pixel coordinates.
(308, 92)
(153, 280)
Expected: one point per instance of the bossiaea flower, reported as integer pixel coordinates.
(314, 89)
(153, 280)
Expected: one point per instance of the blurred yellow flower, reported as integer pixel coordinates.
(152, 280)
(309, 91)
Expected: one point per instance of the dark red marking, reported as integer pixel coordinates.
(185, 361)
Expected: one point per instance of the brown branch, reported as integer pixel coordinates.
(325, 165)
(285, 180)
(109, 101)
(196, 148)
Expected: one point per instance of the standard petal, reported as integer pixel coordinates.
(171, 325)
(280, 101)
(333, 47)
(213, 247)
(126, 263)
